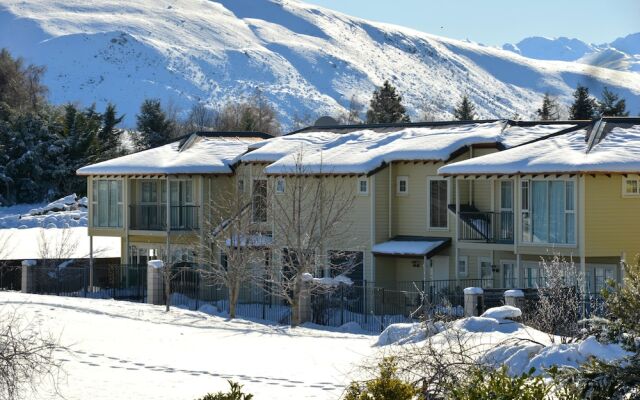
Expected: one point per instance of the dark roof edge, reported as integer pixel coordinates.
(392, 125)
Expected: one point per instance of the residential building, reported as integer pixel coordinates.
(574, 194)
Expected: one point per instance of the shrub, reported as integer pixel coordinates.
(496, 384)
(386, 386)
(235, 393)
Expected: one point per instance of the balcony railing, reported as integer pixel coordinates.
(154, 217)
(490, 227)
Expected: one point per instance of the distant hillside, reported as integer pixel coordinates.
(306, 59)
(622, 54)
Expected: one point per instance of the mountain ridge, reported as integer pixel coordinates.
(306, 59)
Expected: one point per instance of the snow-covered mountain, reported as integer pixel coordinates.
(622, 54)
(307, 59)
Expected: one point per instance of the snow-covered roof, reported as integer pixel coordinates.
(616, 150)
(418, 247)
(364, 150)
(198, 154)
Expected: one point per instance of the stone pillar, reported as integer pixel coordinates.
(473, 301)
(515, 298)
(28, 276)
(306, 315)
(155, 282)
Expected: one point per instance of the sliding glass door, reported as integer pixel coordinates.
(550, 217)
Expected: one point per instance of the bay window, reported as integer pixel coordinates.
(106, 202)
(548, 211)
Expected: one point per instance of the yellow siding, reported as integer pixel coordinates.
(612, 222)
(382, 205)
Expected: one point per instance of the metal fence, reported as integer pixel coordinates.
(372, 305)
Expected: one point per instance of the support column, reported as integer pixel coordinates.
(28, 276)
(90, 263)
(514, 298)
(155, 282)
(304, 306)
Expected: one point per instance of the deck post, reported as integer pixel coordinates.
(91, 263)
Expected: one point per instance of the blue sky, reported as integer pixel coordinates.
(495, 22)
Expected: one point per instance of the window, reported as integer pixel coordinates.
(551, 217)
(149, 192)
(526, 217)
(463, 268)
(630, 187)
(509, 274)
(107, 203)
(241, 185)
(438, 196)
(280, 185)
(363, 186)
(506, 195)
(402, 185)
(259, 200)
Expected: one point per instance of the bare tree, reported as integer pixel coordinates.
(201, 118)
(310, 215)
(557, 311)
(254, 114)
(56, 246)
(232, 251)
(5, 250)
(26, 356)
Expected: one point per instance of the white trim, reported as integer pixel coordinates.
(404, 179)
(448, 181)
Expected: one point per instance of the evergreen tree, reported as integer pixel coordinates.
(584, 106)
(108, 141)
(550, 110)
(154, 128)
(465, 111)
(611, 105)
(386, 106)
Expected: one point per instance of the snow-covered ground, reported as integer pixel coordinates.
(63, 222)
(122, 350)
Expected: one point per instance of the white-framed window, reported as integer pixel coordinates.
(240, 185)
(402, 185)
(438, 198)
(462, 268)
(509, 277)
(280, 185)
(363, 186)
(551, 213)
(630, 187)
(506, 195)
(106, 201)
(485, 271)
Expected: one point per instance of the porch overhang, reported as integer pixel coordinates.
(411, 247)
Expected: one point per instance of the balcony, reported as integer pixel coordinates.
(154, 217)
(489, 227)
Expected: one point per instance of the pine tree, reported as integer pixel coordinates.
(465, 111)
(108, 141)
(611, 105)
(154, 128)
(584, 106)
(386, 106)
(550, 110)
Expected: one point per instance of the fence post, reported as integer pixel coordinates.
(28, 275)
(514, 298)
(155, 270)
(84, 281)
(382, 312)
(473, 301)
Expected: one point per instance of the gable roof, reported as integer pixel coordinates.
(198, 153)
(352, 149)
(610, 145)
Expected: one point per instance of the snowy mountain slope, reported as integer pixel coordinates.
(622, 54)
(306, 59)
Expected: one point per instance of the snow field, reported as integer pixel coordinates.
(121, 350)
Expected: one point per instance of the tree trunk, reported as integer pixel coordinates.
(234, 292)
(167, 291)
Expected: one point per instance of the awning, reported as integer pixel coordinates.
(411, 247)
